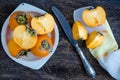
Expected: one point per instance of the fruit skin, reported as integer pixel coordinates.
(13, 19)
(38, 51)
(94, 39)
(79, 31)
(23, 37)
(44, 24)
(94, 17)
(13, 48)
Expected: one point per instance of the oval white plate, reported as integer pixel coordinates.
(30, 60)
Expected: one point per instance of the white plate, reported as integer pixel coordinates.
(30, 60)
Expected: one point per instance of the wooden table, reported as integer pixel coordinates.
(65, 63)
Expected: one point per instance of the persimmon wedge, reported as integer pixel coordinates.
(94, 17)
(94, 40)
(43, 24)
(79, 32)
(43, 46)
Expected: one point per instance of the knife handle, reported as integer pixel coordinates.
(88, 68)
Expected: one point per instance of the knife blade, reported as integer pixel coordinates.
(67, 29)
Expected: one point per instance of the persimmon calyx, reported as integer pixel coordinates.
(31, 31)
(22, 53)
(21, 19)
(45, 45)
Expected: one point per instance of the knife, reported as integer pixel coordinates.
(66, 28)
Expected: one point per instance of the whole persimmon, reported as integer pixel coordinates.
(42, 47)
(15, 50)
(25, 37)
(19, 18)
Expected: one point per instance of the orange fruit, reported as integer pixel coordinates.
(44, 24)
(25, 37)
(42, 47)
(79, 31)
(94, 39)
(13, 19)
(13, 48)
(94, 17)
(18, 18)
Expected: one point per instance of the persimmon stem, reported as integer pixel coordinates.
(21, 19)
(90, 8)
(100, 33)
(31, 31)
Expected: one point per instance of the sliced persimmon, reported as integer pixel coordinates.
(94, 17)
(94, 40)
(44, 24)
(25, 37)
(79, 32)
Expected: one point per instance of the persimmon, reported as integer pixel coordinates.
(19, 18)
(15, 50)
(94, 40)
(79, 31)
(43, 24)
(43, 46)
(94, 17)
(25, 37)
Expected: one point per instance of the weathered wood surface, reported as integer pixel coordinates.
(65, 63)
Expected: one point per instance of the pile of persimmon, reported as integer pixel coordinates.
(29, 33)
(92, 17)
